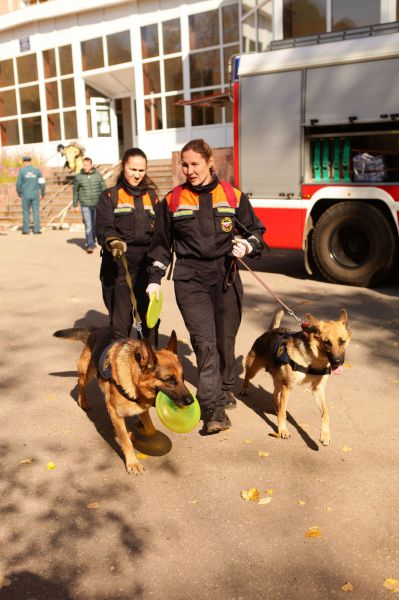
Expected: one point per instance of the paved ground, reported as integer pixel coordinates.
(181, 530)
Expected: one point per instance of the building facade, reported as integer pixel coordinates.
(110, 73)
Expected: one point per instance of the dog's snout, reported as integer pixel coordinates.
(187, 400)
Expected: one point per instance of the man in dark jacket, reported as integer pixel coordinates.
(87, 188)
(29, 183)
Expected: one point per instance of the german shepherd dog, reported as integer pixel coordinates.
(307, 356)
(130, 373)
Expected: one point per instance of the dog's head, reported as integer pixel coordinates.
(330, 338)
(162, 371)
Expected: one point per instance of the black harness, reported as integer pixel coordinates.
(281, 357)
(104, 370)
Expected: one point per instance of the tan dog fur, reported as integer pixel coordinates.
(320, 345)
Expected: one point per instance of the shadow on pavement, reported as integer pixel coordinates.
(81, 242)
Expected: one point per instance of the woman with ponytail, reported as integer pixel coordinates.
(125, 223)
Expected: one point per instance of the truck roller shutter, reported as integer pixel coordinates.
(333, 94)
(270, 134)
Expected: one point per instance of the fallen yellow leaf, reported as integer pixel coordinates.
(193, 501)
(346, 449)
(347, 587)
(50, 397)
(269, 492)
(263, 454)
(93, 505)
(264, 501)
(328, 508)
(251, 495)
(4, 582)
(301, 502)
(274, 434)
(347, 365)
(391, 584)
(26, 461)
(313, 532)
(50, 466)
(247, 441)
(141, 455)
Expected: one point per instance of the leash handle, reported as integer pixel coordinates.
(287, 308)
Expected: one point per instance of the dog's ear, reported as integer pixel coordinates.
(172, 343)
(145, 356)
(313, 324)
(344, 317)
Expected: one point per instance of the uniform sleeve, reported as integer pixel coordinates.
(249, 226)
(19, 184)
(159, 253)
(105, 224)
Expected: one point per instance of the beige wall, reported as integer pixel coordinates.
(7, 6)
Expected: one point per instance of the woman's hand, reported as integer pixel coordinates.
(118, 248)
(153, 288)
(241, 248)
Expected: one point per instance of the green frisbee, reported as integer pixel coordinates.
(179, 420)
(154, 310)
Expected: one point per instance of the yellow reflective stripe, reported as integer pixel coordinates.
(183, 213)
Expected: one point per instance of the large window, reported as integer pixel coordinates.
(92, 54)
(118, 45)
(347, 14)
(304, 17)
(214, 39)
(60, 93)
(162, 75)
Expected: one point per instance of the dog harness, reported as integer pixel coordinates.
(104, 369)
(281, 357)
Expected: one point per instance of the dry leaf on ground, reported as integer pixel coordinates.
(274, 434)
(391, 584)
(301, 502)
(347, 587)
(346, 449)
(50, 466)
(4, 582)
(313, 532)
(26, 461)
(193, 501)
(251, 495)
(141, 455)
(263, 454)
(264, 501)
(93, 505)
(247, 441)
(269, 492)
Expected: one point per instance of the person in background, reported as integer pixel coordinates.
(87, 187)
(202, 218)
(125, 222)
(73, 153)
(30, 184)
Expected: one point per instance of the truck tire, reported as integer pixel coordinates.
(353, 243)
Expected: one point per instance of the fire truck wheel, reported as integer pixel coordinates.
(353, 243)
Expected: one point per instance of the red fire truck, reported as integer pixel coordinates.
(316, 145)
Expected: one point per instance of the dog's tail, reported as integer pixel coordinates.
(278, 315)
(75, 333)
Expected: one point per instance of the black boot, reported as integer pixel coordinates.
(230, 400)
(215, 420)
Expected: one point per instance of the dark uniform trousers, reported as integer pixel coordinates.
(116, 293)
(212, 315)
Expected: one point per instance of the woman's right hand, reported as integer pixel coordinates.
(153, 288)
(118, 248)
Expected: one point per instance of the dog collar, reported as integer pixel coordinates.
(282, 358)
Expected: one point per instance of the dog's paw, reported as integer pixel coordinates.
(284, 433)
(325, 438)
(134, 467)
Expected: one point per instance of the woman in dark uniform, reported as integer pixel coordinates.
(202, 219)
(125, 221)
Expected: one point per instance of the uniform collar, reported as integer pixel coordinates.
(204, 189)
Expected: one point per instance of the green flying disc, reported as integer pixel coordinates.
(154, 310)
(179, 420)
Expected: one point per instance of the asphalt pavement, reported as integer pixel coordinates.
(76, 526)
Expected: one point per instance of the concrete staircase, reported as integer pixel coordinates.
(55, 209)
